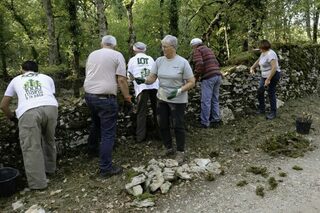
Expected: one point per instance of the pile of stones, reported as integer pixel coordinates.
(160, 175)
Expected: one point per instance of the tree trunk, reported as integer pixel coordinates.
(308, 22)
(174, 18)
(132, 36)
(227, 41)
(2, 50)
(161, 19)
(74, 29)
(315, 26)
(161, 31)
(53, 46)
(102, 20)
(26, 28)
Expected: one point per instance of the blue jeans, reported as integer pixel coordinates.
(271, 93)
(104, 112)
(210, 111)
(165, 111)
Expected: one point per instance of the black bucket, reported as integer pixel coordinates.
(303, 127)
(8, 181)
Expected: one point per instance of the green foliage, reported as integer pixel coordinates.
(245, 58)
(60, 71)
(238, 22)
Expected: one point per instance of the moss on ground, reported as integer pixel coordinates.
(263, 171)
(145, 196)
(298, 168)
(210, 177)
(242, 183)
(273, 183)
(289, 144)
(283, 174)
(260, 191)
(130, 174)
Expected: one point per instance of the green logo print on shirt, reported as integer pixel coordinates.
(145, 72)
(33, 89)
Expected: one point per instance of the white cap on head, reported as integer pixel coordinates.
(195, 41)
(139, 47)
(109, 40)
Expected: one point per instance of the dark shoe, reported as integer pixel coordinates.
(260, 112)
(93, 153)
(216, 124)
(271, 116)
(168, 152)
(115, 170)
(202, 126)
(140, 140)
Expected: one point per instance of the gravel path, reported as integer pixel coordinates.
(299, 191)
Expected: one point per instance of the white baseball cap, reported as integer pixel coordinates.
(195, 41)
(139, 46)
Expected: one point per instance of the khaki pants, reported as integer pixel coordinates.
(36, 133)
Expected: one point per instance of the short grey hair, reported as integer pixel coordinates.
(171, 40)
(109, 40)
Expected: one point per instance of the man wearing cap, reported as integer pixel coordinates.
(105, 71)
(139, 66)
(207, 69)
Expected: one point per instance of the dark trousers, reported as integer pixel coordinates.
(175, 112)
(271, 93)
(142, 111)
(104, 111)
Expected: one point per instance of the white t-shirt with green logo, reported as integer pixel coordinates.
(172, 74)
(140, 66)
(33, 90)
(265, 63)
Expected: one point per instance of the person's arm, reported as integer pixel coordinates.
(151, 78)
(198, 63)
(273, 71)
(189, 84)
(123, 84)
(254, 66)
(4, 106)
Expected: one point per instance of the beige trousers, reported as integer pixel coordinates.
(36, 133)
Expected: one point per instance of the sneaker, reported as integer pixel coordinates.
(115, 170)
(271, 116)
(168, 152)
(180, 157)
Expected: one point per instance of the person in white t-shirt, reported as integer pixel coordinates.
(270, 76)
(37, 114)
(140, 66)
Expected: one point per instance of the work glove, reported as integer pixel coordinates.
(140, 80)
(174, 94)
